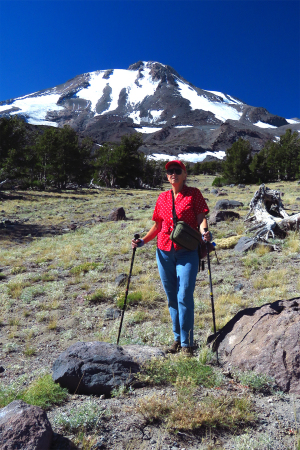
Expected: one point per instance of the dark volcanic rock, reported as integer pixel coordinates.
(219, 216)
(262, 115)
(265, 340)
(98, 367)
(227, 204)
(117, 214)
(24, 427)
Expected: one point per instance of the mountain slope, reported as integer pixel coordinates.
(174, 116)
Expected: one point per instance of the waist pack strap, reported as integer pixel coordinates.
(174, 211)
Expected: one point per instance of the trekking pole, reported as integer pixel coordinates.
(136, 236)
(211, 291)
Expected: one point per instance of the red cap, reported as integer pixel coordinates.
(175, 162)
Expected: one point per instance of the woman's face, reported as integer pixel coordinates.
(175, 178)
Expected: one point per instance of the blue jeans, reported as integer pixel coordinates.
(178, 271)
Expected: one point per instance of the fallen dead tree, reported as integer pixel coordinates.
(267, 215)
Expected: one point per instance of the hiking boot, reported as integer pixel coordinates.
(187, 351)
(174, 348)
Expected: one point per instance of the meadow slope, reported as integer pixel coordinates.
(59, 260)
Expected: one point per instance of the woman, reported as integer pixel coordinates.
(178, 267)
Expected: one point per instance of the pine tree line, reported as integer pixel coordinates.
(276, 161)
(54, 157)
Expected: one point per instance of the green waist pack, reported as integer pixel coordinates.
(185, 236)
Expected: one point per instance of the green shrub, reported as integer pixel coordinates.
(42, 392)
(86, 417)
(257, 382)
(132, 299)
(171, 370)
(219, 182)
(84, 268)
(18, 269)
(97, 297)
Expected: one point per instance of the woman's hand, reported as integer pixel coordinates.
(207, 236)
(135, 243)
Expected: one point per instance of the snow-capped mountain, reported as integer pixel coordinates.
(174, 116)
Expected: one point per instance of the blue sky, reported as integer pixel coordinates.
(249, 49)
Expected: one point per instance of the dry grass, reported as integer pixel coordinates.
(292, 243)
(221, 412)
(271, 279)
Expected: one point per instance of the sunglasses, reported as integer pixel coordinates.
(177, 171)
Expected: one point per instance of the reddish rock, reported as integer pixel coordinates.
(24, 427)
(265, 340)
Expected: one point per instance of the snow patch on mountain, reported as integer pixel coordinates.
(119, 79)
(147, 130)
(188, 157)
(264, 125)
(152, 117)
(292, 121)
(226, 98)
(36, 108)
(222, 111)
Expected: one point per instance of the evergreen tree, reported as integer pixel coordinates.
(120, 164)
(60, 158)
(278, 160)
(236, 165)
(289, 145)
(12, 145)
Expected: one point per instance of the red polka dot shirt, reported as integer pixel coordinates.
(188, 204)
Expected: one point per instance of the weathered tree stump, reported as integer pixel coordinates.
(269, 217)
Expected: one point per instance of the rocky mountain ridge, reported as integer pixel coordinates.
(174, 116)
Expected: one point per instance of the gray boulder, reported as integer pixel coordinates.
(98, 367)
(246, 243)
(228, 204)
(265, 340)
(24, 427)
(219, 216)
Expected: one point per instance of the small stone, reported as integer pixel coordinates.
(111, 314)
(2, 369)
(121, 279)
(238, 287)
